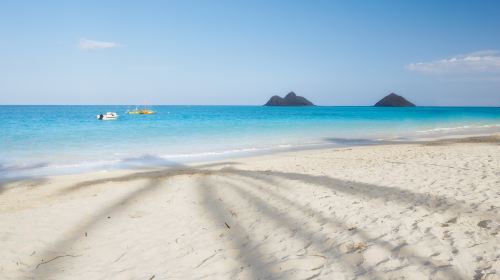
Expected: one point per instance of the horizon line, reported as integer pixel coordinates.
(250, 105)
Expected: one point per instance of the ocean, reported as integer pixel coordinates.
(49, 140)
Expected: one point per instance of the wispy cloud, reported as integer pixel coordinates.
(90, 45)
(482, 62)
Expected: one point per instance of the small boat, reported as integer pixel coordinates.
(141, 112)
(109, 116)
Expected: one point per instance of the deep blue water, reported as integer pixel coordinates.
(52, 139)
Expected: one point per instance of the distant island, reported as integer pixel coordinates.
(291, 99)
(394, 100)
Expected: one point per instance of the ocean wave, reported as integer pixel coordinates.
(455, 128)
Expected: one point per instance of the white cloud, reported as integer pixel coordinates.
(90, 45)
(487, 62)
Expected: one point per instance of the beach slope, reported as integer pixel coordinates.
(408, 211)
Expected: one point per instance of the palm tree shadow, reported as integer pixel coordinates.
(319, 240)
(249, 253)
(26, 182)
(154, 180)
(218, 210)
(175, 170)
(308, 212)
(369, 191)
(65, 244)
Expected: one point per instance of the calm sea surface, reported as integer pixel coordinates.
(43, 140)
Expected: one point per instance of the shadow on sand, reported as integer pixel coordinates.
(248, 185)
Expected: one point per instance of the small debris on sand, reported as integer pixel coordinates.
(359, 246)
(484, 224)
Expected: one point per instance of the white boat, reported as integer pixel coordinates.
(109, 116)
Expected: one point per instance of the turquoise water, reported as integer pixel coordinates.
(37, 140)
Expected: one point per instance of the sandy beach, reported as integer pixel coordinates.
(404, 211)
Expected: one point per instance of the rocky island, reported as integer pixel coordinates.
(291, 99)
(394, 100)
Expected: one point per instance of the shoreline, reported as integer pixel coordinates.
(223, 156)
(418, 210)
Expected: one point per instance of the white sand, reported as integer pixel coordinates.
(407, 211)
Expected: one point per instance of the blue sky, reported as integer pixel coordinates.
(242, 52)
